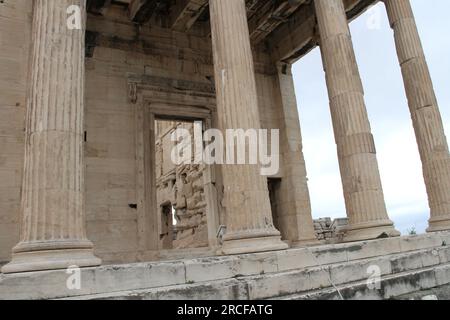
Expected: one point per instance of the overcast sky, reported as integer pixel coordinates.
(389, 115)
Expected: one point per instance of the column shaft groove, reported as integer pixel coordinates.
(53, 233)
(363, 192)
(423, 105)
(246, 198)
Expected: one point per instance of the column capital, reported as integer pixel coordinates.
(284, 68)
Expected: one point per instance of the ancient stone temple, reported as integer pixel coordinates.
(91, 93)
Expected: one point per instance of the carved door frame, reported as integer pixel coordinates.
(148, 106)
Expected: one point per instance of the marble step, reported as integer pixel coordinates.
(395, 286)
(248, 276)
(430, 266)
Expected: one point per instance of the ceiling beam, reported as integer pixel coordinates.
(271, 15)
(293, 35)
(295, 38)
(98, 6)
(185, 13)
(141, 11)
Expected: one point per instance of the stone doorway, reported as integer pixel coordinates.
(168, 232)
(180, 192)
(179, 211)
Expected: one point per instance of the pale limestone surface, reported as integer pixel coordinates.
(15, 30)
(53, 234)
(294, 214)
(89, 170)
(246, 198)
(405, 264)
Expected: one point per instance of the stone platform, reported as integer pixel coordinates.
(406, 265)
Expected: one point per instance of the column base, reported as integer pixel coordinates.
(439, 224)
(252, 245)
(370, 231)
(51, 260)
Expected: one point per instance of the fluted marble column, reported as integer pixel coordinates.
(425, 113)
(363, 192)
(53, 233)
(295, 219)
(246, 198)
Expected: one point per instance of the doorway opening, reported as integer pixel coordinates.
(168, 232)
(274, 185)
(180, 193)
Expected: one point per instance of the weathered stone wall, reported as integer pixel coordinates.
(116, 51)
(121, 51)
(15, 33)
(406, 265)
(181, 188)
(330, 231)
(110, 157)
(111, 184)
(323, 229)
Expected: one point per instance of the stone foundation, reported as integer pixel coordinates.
(405, 265)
